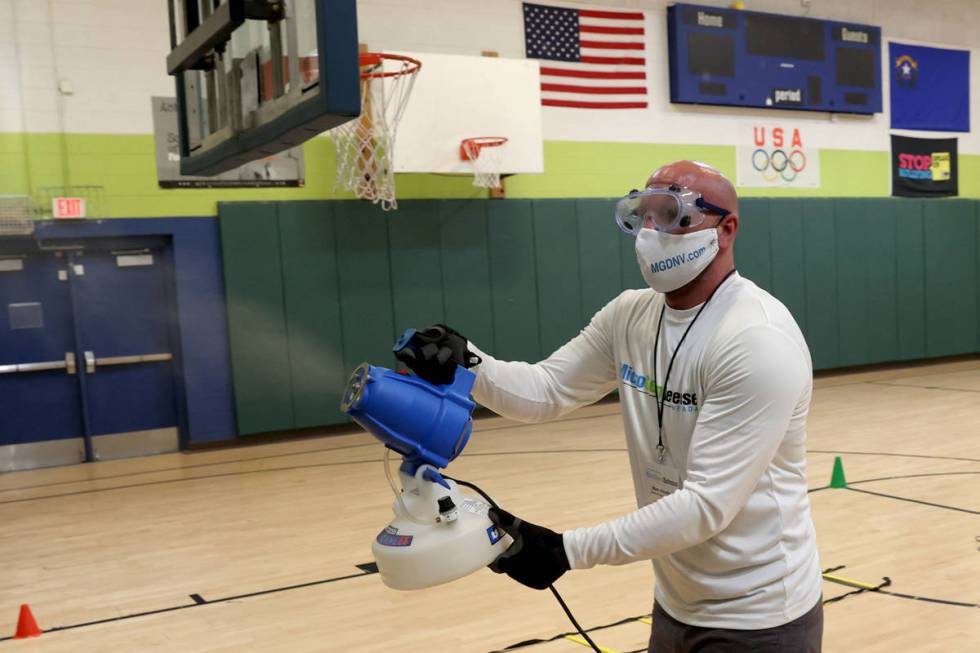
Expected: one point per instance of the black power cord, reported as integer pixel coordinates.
(561, 601)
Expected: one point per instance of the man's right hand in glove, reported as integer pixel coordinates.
(434, 352)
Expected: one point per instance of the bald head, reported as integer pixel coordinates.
(717, 190)
(700, 177)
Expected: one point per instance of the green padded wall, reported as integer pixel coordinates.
(416, 265)
(600, 251)
(951, 277)
(558, 270)
(513, 283)
(315, 288)
(466, 270)
(910, 279)
(753, 257)
(786, 252)
(364, 277)
(309, 270)
(256, 316)
(820, 274)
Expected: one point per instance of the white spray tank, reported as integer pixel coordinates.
(439, 533)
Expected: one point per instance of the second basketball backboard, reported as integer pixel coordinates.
(457, 97)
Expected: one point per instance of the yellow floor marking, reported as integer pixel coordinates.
(579, 640)
(840, 580)
(646, 620)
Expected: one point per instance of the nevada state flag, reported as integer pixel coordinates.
(930, 88)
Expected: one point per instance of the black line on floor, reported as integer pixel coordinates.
(961, 604)
(533, 642)
(879, 589)
(924, 503)
(378, 460)
(166, 470)
(923, 387)
(283, 469)
(905, 476)
(372, 443)
(894, 478)
(843, 596)
(544, 640)
(276, 590)
(887, 582)
(485, 430)
(185, 480)
(530, 425)
(895, 455)
(540, 451)
(829, 375)
(199, 601)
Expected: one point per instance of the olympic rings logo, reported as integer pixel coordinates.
(779, 164)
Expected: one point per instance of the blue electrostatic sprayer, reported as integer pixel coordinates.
(429, 541)
(426, 423)
(438, 532)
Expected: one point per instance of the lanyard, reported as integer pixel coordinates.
(661, 397)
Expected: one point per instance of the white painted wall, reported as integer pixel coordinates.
(111, 53)
(471, 26)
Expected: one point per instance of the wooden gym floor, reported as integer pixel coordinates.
(257, 548)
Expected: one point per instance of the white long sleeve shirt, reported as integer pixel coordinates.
(733, 546)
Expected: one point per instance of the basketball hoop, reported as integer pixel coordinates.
(365, 145)
(486, 154)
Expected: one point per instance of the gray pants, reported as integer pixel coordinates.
(802, 635)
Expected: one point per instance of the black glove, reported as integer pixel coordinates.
(537, 556)
(434, 352)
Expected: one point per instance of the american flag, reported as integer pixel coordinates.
(593, 59)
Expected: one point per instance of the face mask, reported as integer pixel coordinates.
(670, 261)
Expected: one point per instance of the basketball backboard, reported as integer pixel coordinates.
(255, 77)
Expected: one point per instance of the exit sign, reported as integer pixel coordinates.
(68, 207)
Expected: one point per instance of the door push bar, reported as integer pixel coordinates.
(41, 366)
(91, 362)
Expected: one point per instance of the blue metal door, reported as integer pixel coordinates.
(41, 415)
(124, 310)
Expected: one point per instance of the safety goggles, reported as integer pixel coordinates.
(663, 207)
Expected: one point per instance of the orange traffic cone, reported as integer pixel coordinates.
(26, 626)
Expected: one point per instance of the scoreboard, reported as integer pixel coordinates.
(754, 59)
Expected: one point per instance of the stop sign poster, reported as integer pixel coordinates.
(924, 167)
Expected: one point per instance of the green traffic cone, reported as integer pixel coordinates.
(837, 479)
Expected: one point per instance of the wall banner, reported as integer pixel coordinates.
(930, 88)
(773, 156)
(924, 167)
(285, 169)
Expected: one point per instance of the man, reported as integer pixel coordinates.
(715, 382)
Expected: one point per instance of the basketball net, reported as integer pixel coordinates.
(486, 155)
(365, 145)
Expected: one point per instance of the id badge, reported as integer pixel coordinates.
(664, 479)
